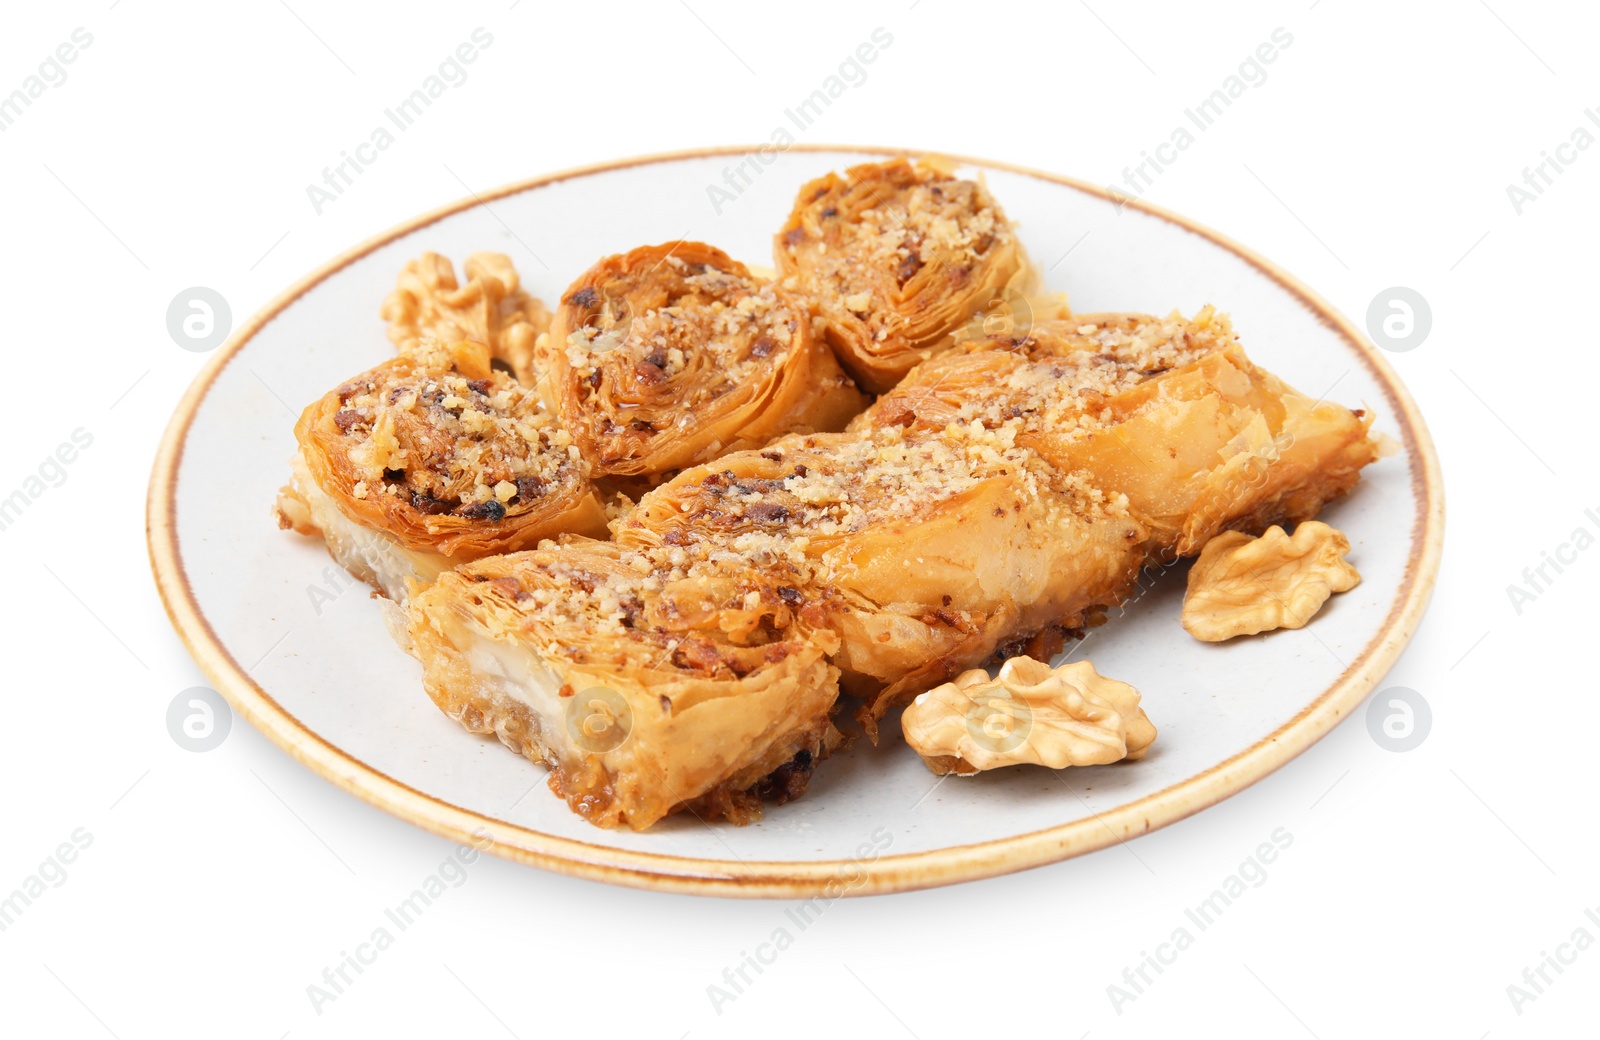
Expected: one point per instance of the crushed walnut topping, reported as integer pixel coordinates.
(785, 506)
(652, 604)
(932, 226)
(1056, 377)
(720, 327)
(475, 443)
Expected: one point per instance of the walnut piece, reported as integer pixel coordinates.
(491, 309)
(1031, 713)
(1242, 585)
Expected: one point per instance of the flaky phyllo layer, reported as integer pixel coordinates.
(675, 354)
(935, 547)
(429, 460)
(647, 685)
(894, 257)
(1166, 411)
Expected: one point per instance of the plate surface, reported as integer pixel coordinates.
(302, 652)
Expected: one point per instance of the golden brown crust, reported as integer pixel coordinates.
(895, 257)
(670, 355)
(934, 548)
(702, 679)
(1168, 411)
(445, 455)
(1054, 371)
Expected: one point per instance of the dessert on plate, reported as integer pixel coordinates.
(664, 541)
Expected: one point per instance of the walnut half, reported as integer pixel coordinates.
(491, 308)
(1031, 713)
(1242, 585)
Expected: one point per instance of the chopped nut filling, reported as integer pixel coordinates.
(452, 434)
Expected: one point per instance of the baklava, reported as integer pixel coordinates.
(432, 459)
(895, 258)
(647, 686)
(671, 355)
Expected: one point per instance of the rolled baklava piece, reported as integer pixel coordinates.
(429, 460)
(491, 308)
(1169, 412)
(895, 258)
(927, 552)
(647, 686)
(671, 355)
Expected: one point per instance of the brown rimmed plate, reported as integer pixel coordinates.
(302, 653)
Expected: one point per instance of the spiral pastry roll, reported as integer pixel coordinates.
(491, 308)
(926, 552)
(429, 460)
(647, 686)
(1169, 412)
(671, 355)
(895, 257)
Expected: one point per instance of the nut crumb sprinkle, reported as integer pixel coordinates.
(474, 443)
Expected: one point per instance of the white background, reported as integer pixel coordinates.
(1377, 153)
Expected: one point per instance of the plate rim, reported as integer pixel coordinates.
(830, 878)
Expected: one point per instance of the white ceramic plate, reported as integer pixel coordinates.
(324, 680)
